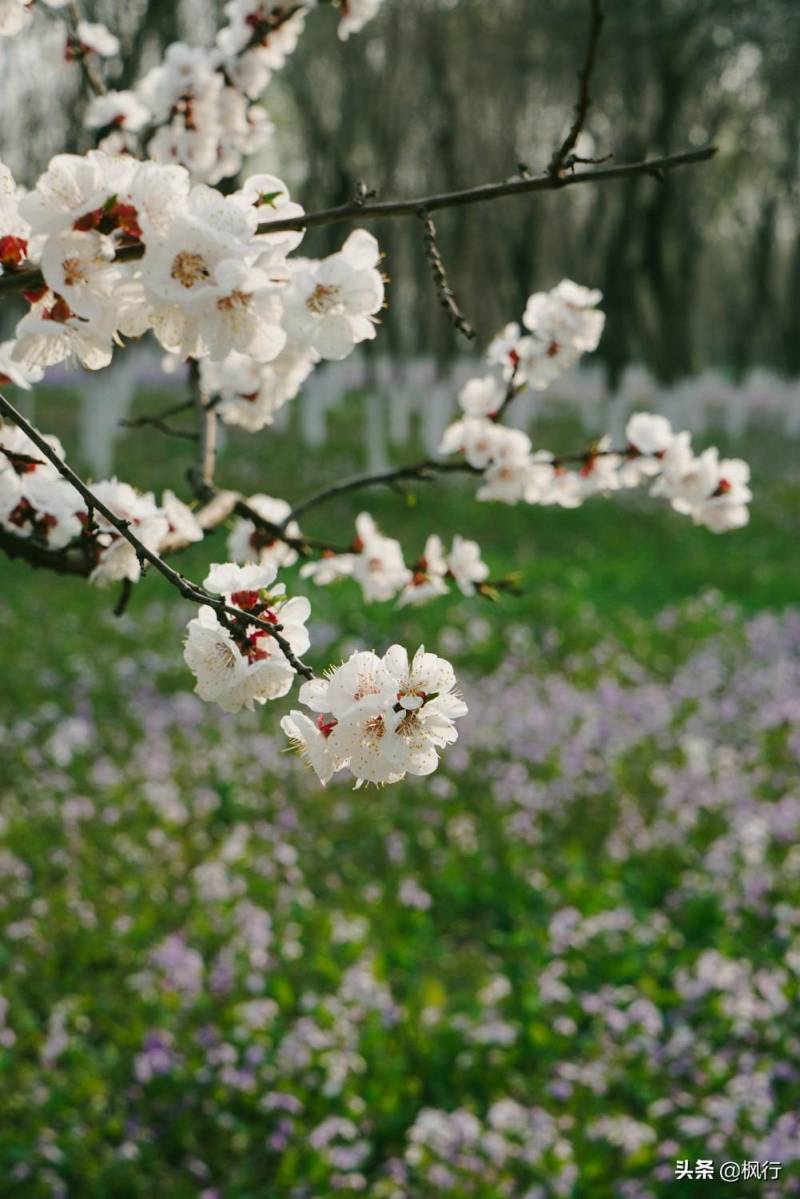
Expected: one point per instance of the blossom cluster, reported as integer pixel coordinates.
(208, 283)
(562, 325)
(381, 718)
(37, 502)
(198, 106)
(373, 560)
(376, 563)
(238, 663)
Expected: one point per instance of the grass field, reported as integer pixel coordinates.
(567, 961)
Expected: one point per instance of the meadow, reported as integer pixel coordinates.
(566, 962)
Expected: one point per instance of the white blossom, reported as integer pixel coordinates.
(331, 304)
(466, 565)
(252, 392)
(122, 110)
(238, 666)
(14, 16)
(15, 372)
(378, 564)
(95, 37)
(382, 718)
(481, 397)
(355, 14)
(117, 558)
(428, 577)
(35, 501)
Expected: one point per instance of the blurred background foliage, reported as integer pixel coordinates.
(701, 270)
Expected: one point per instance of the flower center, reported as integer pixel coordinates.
(189, 269)
(323, 299)
(236, 299)
(74, 272)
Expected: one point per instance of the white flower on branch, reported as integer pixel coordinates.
(714, 492)
(378, 564)
(331, 305)
(269, 196)
(249, 543)
(75, 187)
(14, 16)
(78, 267)
(35, 501)
(14, 229)
(53, 333)
(563, 324)
(481, 397)
(203, 294)
(382, 718)
(257, 41)
(117, 558)
(118, 110)
(466, 565)
(96, 39)
(15, 372)
(250, 393)
(428, 577)
(355, 14)
(482, 442)
(238, 664)
(329, 568)
(182, 523)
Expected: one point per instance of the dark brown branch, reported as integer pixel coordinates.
(73, 560)
(443, 289)
(188, 589)
(423, 472)
(563, 157)
(155, 422)
(136, 422)
(30, 278)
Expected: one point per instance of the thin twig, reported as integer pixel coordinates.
(563, 156)
(29, 278)
(87, 59)
(443, 289)
(423, 472)
(155, 422)
(188, 589)
(134, 422)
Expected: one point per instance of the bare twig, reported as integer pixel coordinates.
(155, 422)
(423, 472)
(29, 278)
(443, 289)
(188, 589)
(136, 422)
(563, 156)
(86, 58)
(201, 475)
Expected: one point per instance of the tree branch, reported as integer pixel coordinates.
(423, 472)
(188, 589)
(29, 278)
(563, 155)
(87, 59)
(443, 289)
